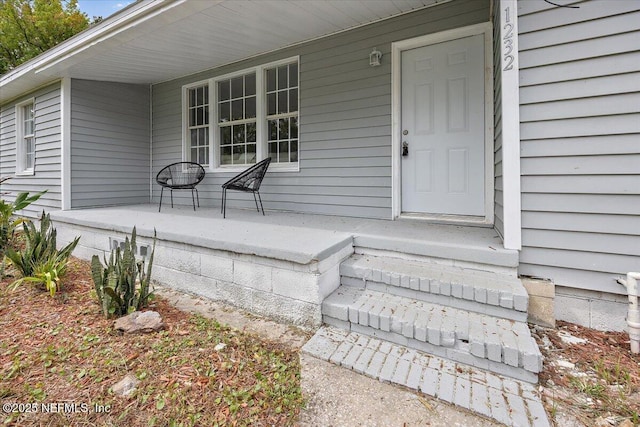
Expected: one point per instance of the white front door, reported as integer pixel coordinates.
(443, 128)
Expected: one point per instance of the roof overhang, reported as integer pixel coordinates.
(152, 41)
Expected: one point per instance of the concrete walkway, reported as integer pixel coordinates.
(336, 396)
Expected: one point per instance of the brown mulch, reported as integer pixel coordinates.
(596, 381)
(61, 350)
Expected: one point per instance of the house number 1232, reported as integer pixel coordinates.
(507, 41)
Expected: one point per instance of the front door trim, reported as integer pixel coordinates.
(396, 109)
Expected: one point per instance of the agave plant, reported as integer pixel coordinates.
(122, 285)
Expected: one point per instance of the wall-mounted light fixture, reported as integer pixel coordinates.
(374, 57)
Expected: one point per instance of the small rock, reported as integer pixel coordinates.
(219, 346)
(125, 386)
(565, 364)
(567, 338)
(139, 322)
(626, 423)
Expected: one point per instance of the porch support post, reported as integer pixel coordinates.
(65, 144)
(510, 123)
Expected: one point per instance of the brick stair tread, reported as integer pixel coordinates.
(474, 285)
(506, 400)
(483, 336)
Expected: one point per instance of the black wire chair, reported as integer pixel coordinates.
(180, 176)
(249, 182)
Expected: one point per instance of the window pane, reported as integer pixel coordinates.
(293, 100)
(206, 115)
(251, 132)
(238, 134)
(239, 155)
(250, 84)
(225, 156)
(293, 134)
(271, 104)
(202, 136)
(271, 80)
(251, 153)
(273, 130)
(282, 102)
(225, 135)
(284, 152)
(283, 81)
(293, 75)
(200, 116)
(273, 151)
(225, 112)
(294, 151)
(236, 110)
(202, 155)
(284, 129)
(237, 87)
(192, 117)
(206, 94)
(194, 137)
(199, 96)
(194, 154)
(192, 97)
(250, 108)
(223, 90)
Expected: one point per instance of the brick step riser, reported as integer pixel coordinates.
(480, 336)
(457, 286)
(450, 333)
(445, 300)
(458, 352)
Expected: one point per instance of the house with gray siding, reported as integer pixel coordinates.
(476, 155)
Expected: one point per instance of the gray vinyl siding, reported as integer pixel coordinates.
(497, 121)
(110, 143)
(580, 127)
(47, 106)
(345, 119)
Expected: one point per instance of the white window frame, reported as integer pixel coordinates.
(261, 119)
(186, 140)
(21, 167)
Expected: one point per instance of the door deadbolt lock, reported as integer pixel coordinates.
(405, 148)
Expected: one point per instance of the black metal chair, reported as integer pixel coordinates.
(180, 176)
(248, 181)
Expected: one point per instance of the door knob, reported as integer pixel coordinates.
(405, 148)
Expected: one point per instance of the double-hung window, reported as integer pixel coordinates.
(282, 113)
(237, 137)
(25, 138)
(254, 115)
(198, 124)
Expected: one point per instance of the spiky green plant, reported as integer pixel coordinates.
(122, 285)
(40, 247)
(8, 220)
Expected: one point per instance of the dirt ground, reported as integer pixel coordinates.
(590, 377)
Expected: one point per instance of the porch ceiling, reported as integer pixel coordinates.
(158, 40)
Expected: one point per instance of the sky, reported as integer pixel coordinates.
(102, 8)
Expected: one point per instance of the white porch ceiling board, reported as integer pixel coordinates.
(160, 40)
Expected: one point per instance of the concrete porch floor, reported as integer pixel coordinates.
(298, 237)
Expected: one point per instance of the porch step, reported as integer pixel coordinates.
(510, 402)
(479, 291)
(499, 345)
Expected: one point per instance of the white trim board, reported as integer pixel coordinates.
(396, 89)
(65, 143)
(510, 93)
